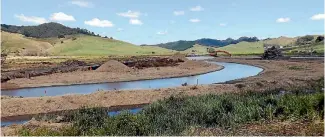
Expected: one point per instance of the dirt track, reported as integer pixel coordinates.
(277, 74)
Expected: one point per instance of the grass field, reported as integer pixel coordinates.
(83, 45)
(244, 48)
(90, 45)
(196, 49)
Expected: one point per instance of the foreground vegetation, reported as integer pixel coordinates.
(178, 115)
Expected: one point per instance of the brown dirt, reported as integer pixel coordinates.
(276, 74)
(113, 66)
(190, 64)
(73, 62)
(152, 62)
(178, 57)
(115, 71)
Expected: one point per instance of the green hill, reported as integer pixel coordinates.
(73, 45)
(244, 48)
(17, 44)
(197, 49)
(90, 45)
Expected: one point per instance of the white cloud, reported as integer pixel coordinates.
(120, 29)
(318, 17)
(83, 4)
(162, 32)
(32, 19)
(222, 24)
(197, 8)
(99, 23)
(135, 22)
(60, 16)
(172, 22)
(283, 20)
(130, 14)
(178, 13)
(194, 20)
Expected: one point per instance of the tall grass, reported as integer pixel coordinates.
(176, 114)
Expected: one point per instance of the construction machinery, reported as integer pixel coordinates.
(272, 52)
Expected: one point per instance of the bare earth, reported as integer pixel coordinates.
(276, 74)
(83, 77)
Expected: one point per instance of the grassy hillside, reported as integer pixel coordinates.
(196, 49)
(17, 44)
(90, 45)
(244, 48)
(281, 41)
(74, 45)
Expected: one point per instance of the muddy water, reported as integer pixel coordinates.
(231, 71)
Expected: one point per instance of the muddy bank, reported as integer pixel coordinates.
(112, 72)
(276, 75)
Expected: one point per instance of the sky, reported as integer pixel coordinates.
(159, 21)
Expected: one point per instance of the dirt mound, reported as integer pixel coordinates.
(113, 66)
(152, 62)
(191, 64)
(178, 57)
(73, 62)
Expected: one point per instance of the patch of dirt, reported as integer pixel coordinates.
(191, 64)
(73, 62)
(67, 66)
(178, 57)
(113, 66)
(152, 62)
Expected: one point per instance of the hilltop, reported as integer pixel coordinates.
(182, 45)
(45, 30)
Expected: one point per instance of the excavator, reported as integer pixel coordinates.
(214, 52)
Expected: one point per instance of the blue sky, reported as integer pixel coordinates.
(157, 21)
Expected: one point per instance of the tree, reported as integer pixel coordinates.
(305, 40)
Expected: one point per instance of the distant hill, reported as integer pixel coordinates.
(45, 30)
(183, 45)
(73, 45)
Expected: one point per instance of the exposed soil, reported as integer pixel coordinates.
(112, 71)
(113, 66)
(152, 62)
(276, 74)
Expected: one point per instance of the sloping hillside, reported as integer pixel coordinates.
(17, 44)
(244, 48)
(90, 45)
(184, 45)
(73, 45)
(283, 41)
(197, 50)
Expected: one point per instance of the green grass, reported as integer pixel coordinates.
(83, 45)
(177, 114)
(198, 50)
(244, 48)
(17, 44)
(90, 45)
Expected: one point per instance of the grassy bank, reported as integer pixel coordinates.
(177, 115)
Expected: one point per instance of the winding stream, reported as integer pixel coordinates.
(231, 71)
